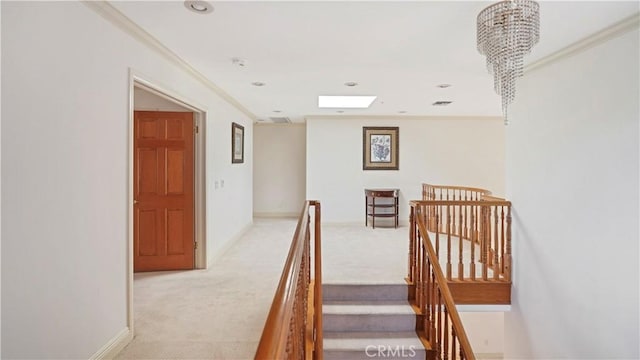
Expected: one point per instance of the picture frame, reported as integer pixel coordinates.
(237, 143)
(380, 148)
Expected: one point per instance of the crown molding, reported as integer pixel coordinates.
(121, 21)
(628, 24)
(403, 117)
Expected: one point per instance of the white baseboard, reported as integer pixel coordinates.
(489, 356)
(216, 255)
(115, 345)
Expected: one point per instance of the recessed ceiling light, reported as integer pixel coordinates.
(347, 102)
(442, 103)
(277, 111)
(402, 112)
(351, 83)
(340, 111)
(443, 86)
(258, 83)
(198, 6)
(238, 62)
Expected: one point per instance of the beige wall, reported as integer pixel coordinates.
(467, 151)
(279, 169)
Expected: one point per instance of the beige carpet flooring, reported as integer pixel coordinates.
(219, 313)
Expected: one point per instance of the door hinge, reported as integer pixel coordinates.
(195, 245)
(196, 129)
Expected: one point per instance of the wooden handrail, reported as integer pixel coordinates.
(452, 192)
(440, 326)
(285, 331)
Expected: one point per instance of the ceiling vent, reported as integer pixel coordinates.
(281, 120)
(441, 103)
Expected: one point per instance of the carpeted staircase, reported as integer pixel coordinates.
(369, 322)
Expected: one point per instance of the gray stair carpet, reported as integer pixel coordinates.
(368, 322)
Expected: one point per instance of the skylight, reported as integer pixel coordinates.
(345, 102)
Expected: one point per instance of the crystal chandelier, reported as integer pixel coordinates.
(506, 32)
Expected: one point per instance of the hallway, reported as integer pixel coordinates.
(219, 313)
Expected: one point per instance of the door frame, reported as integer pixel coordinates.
(138, 80)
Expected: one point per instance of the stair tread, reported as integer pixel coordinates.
(366, 309)
(367, 334)
(359, 344)
(382, 291)
(365, 302)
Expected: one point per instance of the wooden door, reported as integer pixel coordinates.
(163, 191)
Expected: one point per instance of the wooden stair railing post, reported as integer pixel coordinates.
(412, 242)
(507, 260)
(317, 300)
(484, 240)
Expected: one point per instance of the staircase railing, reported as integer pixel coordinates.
(293, 329)
(448, 192)
(454, 214)
(439, 323)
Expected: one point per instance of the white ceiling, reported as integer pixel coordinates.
(396, 50)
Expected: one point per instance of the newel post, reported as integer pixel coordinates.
(319, 333)
(412, 244)
(507, 260)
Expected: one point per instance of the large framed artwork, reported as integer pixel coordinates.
(380, 148)
(237, 143)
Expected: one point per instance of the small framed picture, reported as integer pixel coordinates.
(237, 143)
(380, 148)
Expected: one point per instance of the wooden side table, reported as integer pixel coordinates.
(385, 207)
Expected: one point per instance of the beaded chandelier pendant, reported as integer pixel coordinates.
(506, 32)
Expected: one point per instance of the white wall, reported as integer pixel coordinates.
(438, 151)
(64, 175)
(572, 174)
(279, 169)
(0, 190)
(485, 331)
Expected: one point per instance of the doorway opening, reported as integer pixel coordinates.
(145, 98)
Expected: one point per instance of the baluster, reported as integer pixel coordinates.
(453, 342)
(502, 240)
(448, 242)
(496, 245)
(446, 334)
(426, 269)
(484, 241)
(426, 308)
(439, 323)
(412, 241)
(460, 245)
(472, 263)
(507, 260)
(419, 270)
(465, 233)
(438, 232)
(429, 312)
